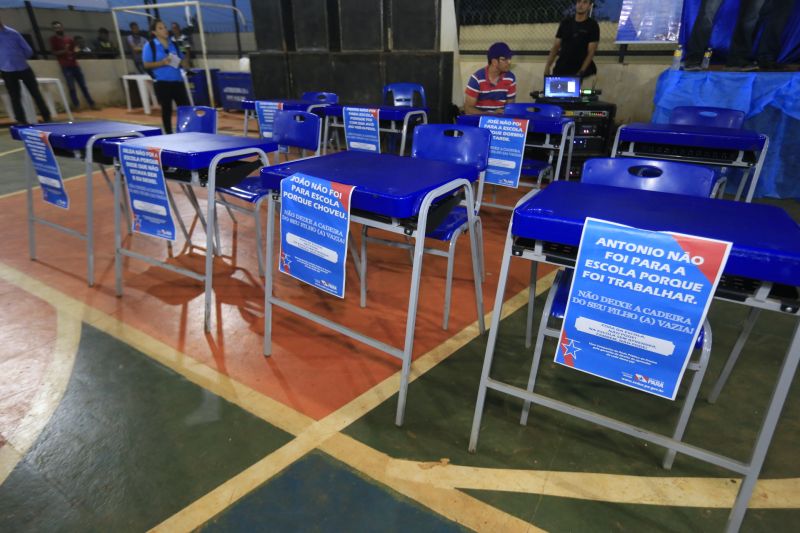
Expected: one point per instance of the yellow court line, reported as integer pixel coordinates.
(320, 432)
(48, 395)
(24, 190)
(9, 152)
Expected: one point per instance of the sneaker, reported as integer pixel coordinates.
(692, 67)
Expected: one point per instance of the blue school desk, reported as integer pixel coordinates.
(196, 159)
(546, 227)
(722, 147)
(249, 107)
(395, 119)
(77, 140)
(554, 136)
(392, 193)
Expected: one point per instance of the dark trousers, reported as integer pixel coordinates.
(166, 93)
(75, 75)
(27, 77)
(776, 13)
(741, 50)
(701, 31)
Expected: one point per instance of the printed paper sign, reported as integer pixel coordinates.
(315, 219)
(361, 129)
(637, 304)
(48, 173)
(265, 111)
(505, 150)
(147, 191)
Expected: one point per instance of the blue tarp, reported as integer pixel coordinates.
(725, 22)
(771, 105)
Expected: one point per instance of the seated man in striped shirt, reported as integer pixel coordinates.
(492, 86)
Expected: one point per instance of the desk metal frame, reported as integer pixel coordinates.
(749, 470)
(88, 236)
(404, 353)
(751, 176)
(334, 122)
(208, 272)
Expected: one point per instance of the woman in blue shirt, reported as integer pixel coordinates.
(163, 59)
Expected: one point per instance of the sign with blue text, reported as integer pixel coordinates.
(505, 150)
(265, 111)
(637, 304)
(147, 191)
(315, 222)
(361, 129)
(48, 173)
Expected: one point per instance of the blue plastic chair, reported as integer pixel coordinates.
(462, 145)
(714, 117)
(298, 129)
(197, 118)
(404, 95)
(633, 173)
(320, 97)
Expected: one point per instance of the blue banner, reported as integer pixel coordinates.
(361, 129)
(315, 222)
(48, 173)
(265, 111)
(147, 191)
(649, 21)
(505, 150)
(637, 304)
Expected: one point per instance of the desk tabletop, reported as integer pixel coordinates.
(538, 125)
(766, 241)
(75, 135)
(288, 104)
(699, 136)
(191, 150)
(387, 112)
(386, 184)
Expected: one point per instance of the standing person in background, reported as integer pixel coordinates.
(575, 44)
(493, 86)
(162, 57)
(182, 40)
(136, 42)
(14, 55)
(64, 49)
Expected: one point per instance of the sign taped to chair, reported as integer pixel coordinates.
(505, 150)
(361, 129)
(637, 304)
(147, 191)
(45, 165)
(315, 223)
(265, 111)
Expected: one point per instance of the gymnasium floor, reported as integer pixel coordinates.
(121, 414)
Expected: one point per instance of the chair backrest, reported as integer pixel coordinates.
(197, 118)
(464, 145)
(404, 95)
(717, 117)
(297, 128)
(650, 175)
(533, 110)
(321, 97)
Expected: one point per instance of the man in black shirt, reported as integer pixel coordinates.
(575, 44)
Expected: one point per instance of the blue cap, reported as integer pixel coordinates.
(498, 50)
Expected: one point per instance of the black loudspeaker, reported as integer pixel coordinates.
(433, 70)
(270, 75)
(415, 25)
(268, 25)
(357, 77)
(361, 23)
(310, 19)
(310, 72)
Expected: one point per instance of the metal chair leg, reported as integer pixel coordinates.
(448, 283)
